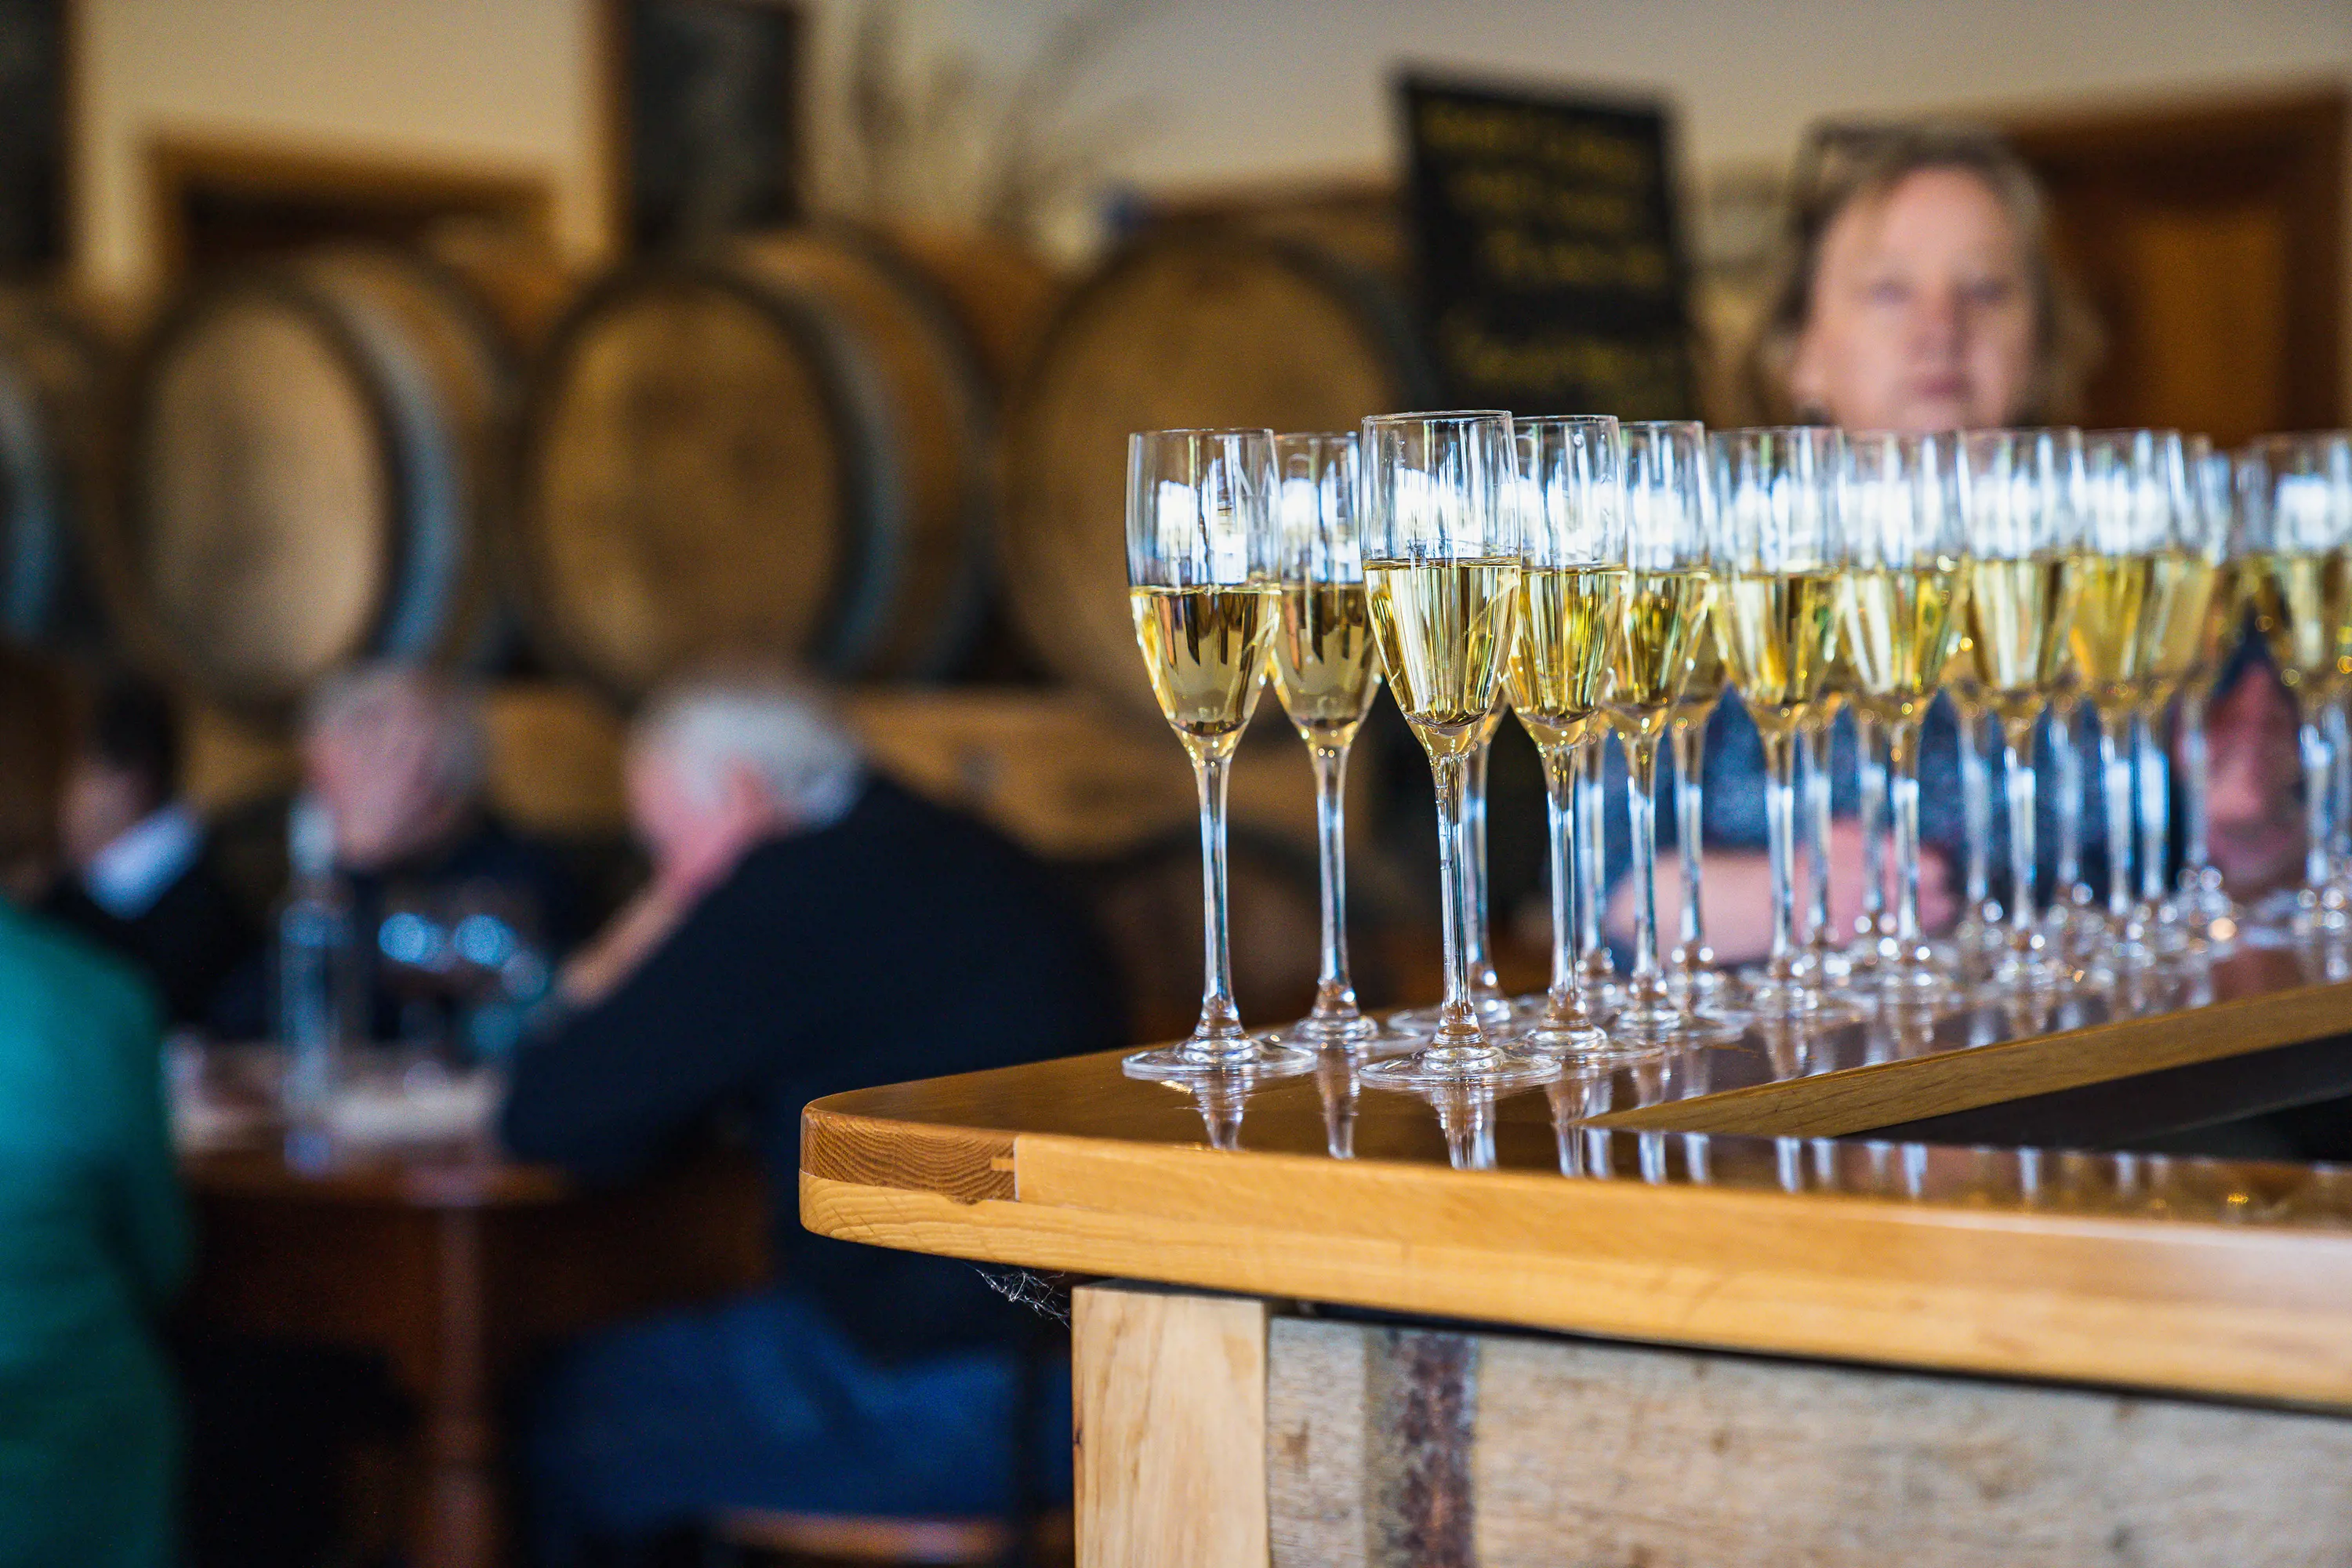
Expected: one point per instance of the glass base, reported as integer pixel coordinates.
(1493, 1012)
(1496, 1067)
(1800, 999)
(1262, 1056)
(1577, 1049)
(1357, 1033)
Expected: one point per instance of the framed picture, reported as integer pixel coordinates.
(35, 36)
(705, 117)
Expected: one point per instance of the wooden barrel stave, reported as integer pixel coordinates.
(1197, 326)
(808, 430)
(315, 457)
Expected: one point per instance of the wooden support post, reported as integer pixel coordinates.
(1171, 1394)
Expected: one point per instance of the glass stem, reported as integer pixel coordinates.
(1593, 856)
(1976, 807)
(1567, 998)
(1335, 993)
(2154, 777)
(1460, 1042)
(1814, 739)
(2339, 791)
(1220, 1031)
(2071, 787)
(1903, 787)
(2116, 775)
(1485, 984)
(2314, 803)
(1781, 832)
(2195, 852)
(2017, 771)
(1871, 807)
(1690, 955)
(1646, 984)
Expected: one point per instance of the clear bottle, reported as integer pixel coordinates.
(318, 969)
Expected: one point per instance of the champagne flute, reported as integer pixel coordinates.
(1439, 533)
(1571, 608)
(2172, 634)
(2296, 493)
(2133, 482)
(2214, 485)
(1906, 547)
(1326, 673)
(1776, 612)
(1667, 503)
(2019, 493)
(1199, 569)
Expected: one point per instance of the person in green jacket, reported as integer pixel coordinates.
(93, 1230)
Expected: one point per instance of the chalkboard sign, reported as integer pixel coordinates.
(32, 134)
(708, 104)
(1552, 277)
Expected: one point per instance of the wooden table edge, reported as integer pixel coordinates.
(2296, 1356)
(1882, 1094)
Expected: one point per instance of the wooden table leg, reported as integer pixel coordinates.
(459, 1523)
(1170, 1421)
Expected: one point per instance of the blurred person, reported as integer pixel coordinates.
(811, 927)
(1913, 291)
(93, 1231)
(397, 755)
(139, 877)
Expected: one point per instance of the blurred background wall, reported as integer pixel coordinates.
(1209, 90)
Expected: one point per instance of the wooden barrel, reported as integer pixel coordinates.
(54, 382)
(315, 460)
(1188, 327)
(781, 445)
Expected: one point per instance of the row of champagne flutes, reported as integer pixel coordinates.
(1596, 576)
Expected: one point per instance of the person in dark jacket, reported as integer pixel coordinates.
(140, 876)
(810, 928)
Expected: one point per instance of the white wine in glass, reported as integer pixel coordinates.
(1202, 588)
(1668, 595)
(1440, 532)
(1326, 673)
(2022, 494)
(1572, 608)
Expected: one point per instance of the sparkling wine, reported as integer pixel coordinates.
(1205, 649)
(1780, 634)
(1445, 630)
(2174, 625)
(1665, 613)
(2018, 616)
(2111, 603)
(1323, 668)
(1569, 620)
(2301, 604)
(1902, 629)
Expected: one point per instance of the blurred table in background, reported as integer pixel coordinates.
(456, 1267)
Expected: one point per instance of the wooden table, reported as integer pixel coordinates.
(1796, 1342)
(454, 1267)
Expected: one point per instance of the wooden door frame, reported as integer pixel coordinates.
(2308, 130)
(177, 163)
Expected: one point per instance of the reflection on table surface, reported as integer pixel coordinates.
(1334, 1111)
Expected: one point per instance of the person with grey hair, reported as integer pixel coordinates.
(810, 927)
(396, 757)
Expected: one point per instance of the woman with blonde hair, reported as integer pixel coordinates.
(1914, 291)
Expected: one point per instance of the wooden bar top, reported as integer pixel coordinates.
(1713, 1197)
